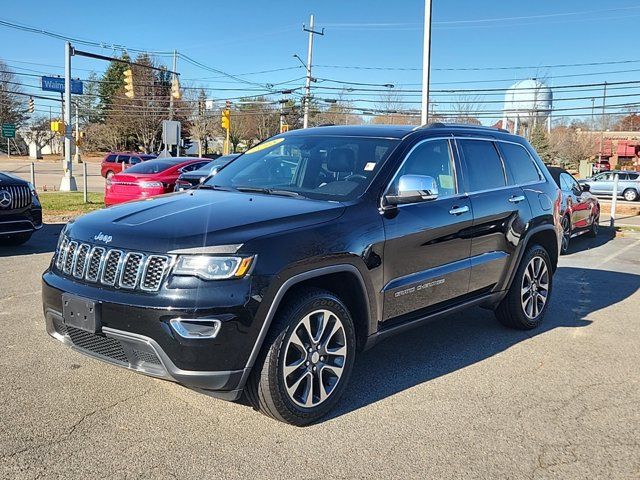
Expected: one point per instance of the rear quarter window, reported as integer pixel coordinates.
(519, 164)
(483, 166)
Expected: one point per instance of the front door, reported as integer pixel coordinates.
(426, 253)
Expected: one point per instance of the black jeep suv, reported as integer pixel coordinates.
(20, 210)
(270, 276)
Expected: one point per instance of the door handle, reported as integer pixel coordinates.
(459, 210)
(516, 198)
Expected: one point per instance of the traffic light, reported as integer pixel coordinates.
(201, 107)
(128, 83)
(57, 126)
(175, 88)
(226, 119)
(32, 105)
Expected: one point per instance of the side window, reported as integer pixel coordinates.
(432, 158)
(565, 184)
(623, 176)
(633, 176)
(134, 160)
(484, 170)
(111, 158)
(193, 166)
(123, 158)
(519, 164)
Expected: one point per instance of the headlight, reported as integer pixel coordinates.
(151, 184)
(212, 268)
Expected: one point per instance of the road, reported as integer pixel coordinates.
(49, 173)
(462, 397)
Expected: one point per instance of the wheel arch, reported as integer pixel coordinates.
(355, 296)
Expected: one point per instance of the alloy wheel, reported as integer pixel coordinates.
(535, 287)
(314, 358)
(630, 195)
(566, 233)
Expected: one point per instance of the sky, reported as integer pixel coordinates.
(475, 44)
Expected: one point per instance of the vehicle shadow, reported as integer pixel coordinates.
(584, 242)
(42, 241)
(456, 342)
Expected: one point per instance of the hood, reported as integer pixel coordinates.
(198, 218)
(8, 179)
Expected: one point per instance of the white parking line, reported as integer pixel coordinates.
(607, 259)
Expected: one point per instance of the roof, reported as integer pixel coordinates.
(389, 131)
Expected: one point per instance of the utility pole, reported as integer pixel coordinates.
(77, 158)
(602, 120)
(426, 62)
(68, 183)
(307, 96)
(173, 77)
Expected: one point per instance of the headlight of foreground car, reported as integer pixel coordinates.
(213, 268)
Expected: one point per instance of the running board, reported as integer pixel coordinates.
(488, 299)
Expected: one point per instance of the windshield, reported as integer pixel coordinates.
(152, 166)
(315, 166)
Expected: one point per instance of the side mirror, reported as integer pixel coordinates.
(586, 187)
(414, 188)
(214, 170)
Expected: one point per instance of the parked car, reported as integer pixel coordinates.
(20, 210)
(311, 246)
(194, 177)
(601, 166)
(628, 184)
(113, 163)
(580, 210)
(144, 180)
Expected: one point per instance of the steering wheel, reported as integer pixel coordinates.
(359, 177)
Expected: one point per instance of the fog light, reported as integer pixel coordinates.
(196, 327)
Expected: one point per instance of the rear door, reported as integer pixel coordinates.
(500, 208)
(426, 253)
(123, 161)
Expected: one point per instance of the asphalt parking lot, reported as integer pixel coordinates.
(462, 397)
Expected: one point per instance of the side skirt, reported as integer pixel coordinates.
(489, 300)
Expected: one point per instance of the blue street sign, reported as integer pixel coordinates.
(56, 84)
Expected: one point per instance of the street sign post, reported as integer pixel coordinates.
(56, 84)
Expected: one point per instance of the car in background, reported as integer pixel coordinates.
(148, 179)
(580, 210)
(116, 162)
(601, 166)
(602, 184)
(20, 210)
(195, 177)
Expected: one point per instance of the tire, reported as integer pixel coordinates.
(286, 397)
(595, 226)
(15, 240)
(514, 311)
(566, 234)
(630, 194)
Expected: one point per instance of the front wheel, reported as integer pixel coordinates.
(306, 359)
(630, 195)
(595, 225)
(528, 298)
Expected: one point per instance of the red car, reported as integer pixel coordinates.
(150, 178)
(116, 162)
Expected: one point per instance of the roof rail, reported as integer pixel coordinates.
(462, 125)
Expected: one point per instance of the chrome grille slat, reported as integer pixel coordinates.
(94, 267)
(20, 196)
(132, 266)
(112, 267)
(80, 264)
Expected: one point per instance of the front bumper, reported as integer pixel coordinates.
(18, 222)
(138, 336)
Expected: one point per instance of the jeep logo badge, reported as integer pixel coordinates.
(101, 237)
(5, 199)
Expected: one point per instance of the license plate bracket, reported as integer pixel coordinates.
(81, 313)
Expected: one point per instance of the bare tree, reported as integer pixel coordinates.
(569, 145)
(466, 109)
(38, 132)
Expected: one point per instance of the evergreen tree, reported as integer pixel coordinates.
(540, 141)
(111, 82)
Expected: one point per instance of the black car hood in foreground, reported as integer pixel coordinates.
(198, 218)
(8, 179)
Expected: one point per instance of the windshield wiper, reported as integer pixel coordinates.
(205, 186)
(270, 191)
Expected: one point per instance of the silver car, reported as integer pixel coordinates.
(602, 184)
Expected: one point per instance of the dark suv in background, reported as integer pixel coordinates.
(311, 246)
(20, 210)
